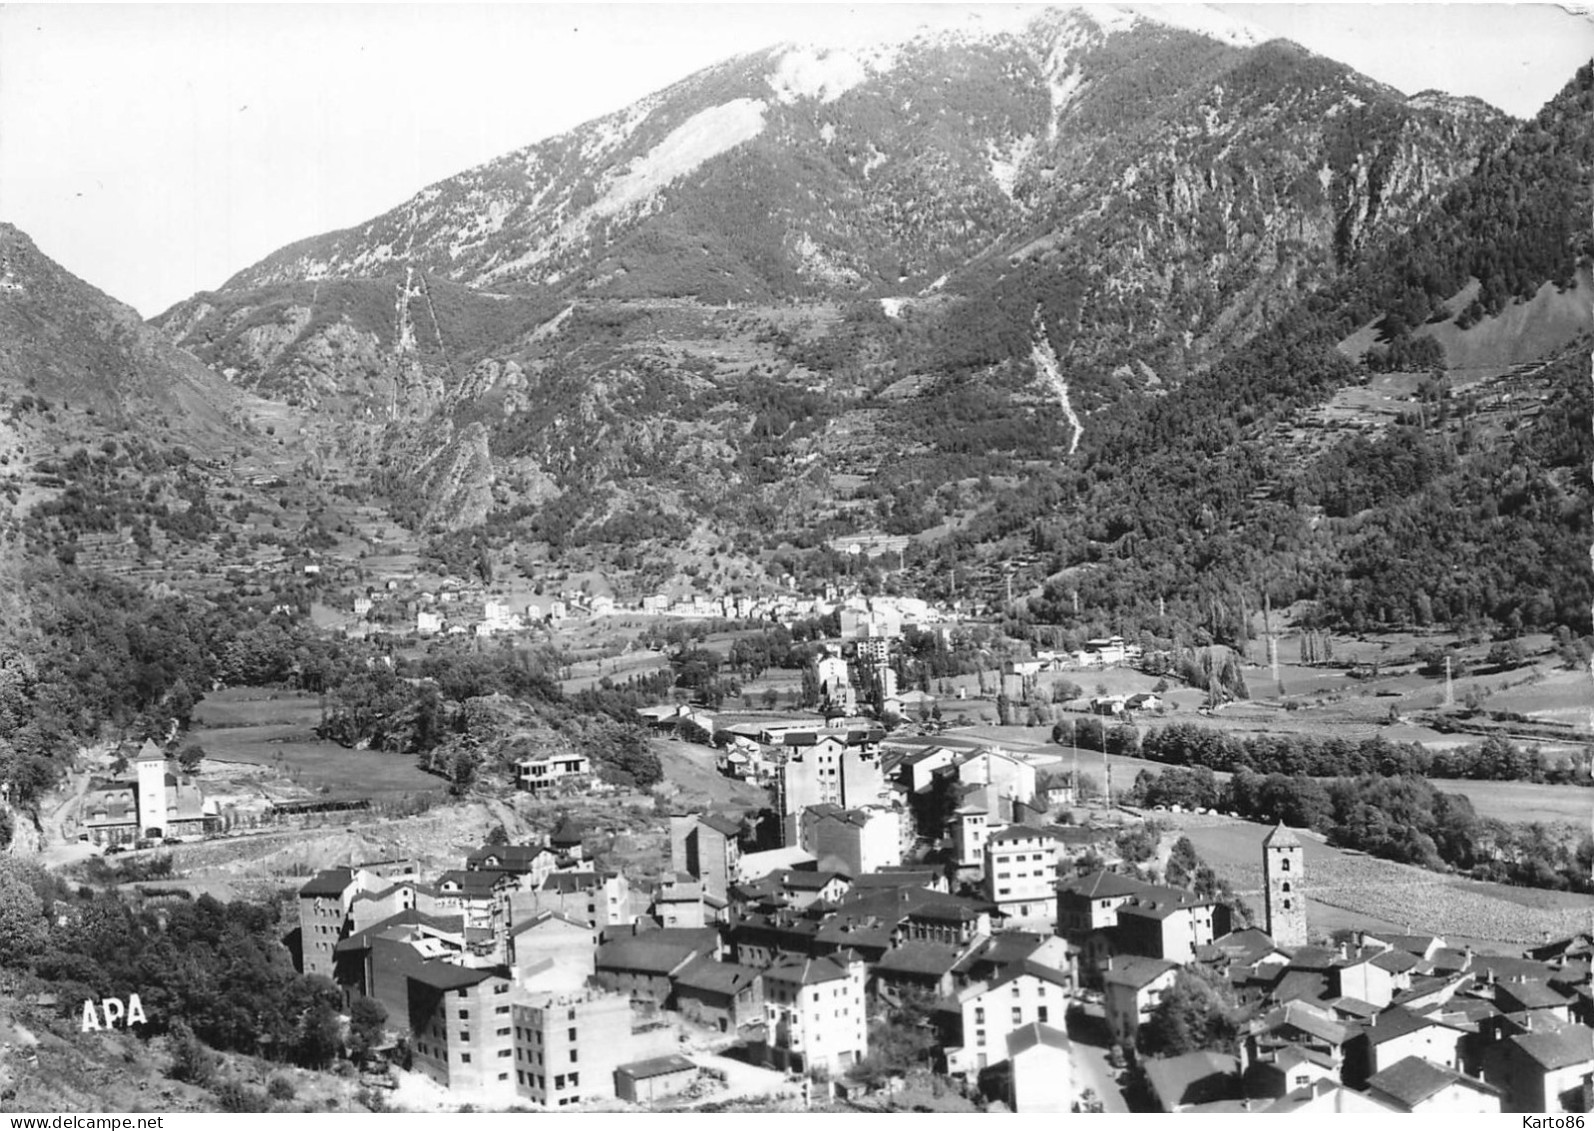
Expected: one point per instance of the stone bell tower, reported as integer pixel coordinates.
(1283, 876)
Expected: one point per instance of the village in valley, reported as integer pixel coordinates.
(1022, 565)
(871, 896)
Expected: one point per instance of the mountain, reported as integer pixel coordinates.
(112, 440)
(1201, 177)
(1091, 297)
(849, 246)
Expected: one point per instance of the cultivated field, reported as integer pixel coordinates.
(1352, 889)
(275, 729)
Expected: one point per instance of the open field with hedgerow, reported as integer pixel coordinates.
(1353, 889)
(261, 727)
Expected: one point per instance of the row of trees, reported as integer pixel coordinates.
(1496, 758)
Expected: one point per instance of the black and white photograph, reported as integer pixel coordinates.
(794, 558)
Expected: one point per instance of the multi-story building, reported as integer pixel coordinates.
(706, 848)
(860, 840)
(566, 1047)
(546, 769)
(1134, 987)
(326, 902)
(600, 898)
(814, 1017)
(839, 767)
(1021, 874)
(975, 1023)
(461, 1028)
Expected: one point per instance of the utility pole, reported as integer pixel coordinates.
(1450, 689)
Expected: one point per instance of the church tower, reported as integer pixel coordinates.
(1283, 867)
(151, 791)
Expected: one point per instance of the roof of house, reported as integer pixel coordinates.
(1412, 944)
(1104, 885)
(896, 879)
(1325, 1096)
(920, 957)
(809, 971)
(1396, 961)
(1529, 995)
(1029, 966)
(475, 884)
(510, 857)
(800, 880)
(452, 924)
(646, 954)
(1572, 1045)
(656, 1066)
(568, 882)
(1003, 948)
(331, 881)
(1195, 1077)
(1355, 1007)
(710, 975)
(1246, 946)
(1281, 837)
(1301, 985)
(1299, 1015)
(1504, 968)
(1397, 1021)
(1413, 1080)
(1033, 1034)
(725, 826)
(1313, 958)
(1449, 959)
(543, 917)
(1136, 972)
(441, 975)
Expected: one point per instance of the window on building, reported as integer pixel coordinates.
(572, 1034)
(1284, 864)
(520, 1077)
(463, 1035)
(575, 1079)
(464, 1015)
(1016, 990)
(1041, 1015)
(504, 1032)
(979, 1015)
(502, 1009)
(464, 1058)
(559, 1083)
(461, 993)
(503, 1075)
(979, 1036)
(1018, 1015)
(572, 1056)
(502, 1053)
(1286, 885)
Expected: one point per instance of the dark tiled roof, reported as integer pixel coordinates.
(1281, 837)
(1104, 885)
(1396, 961)
(446, 976)
(1196, 1077)
(919, 957)
(1413, 1080)
(1136, 972)
(704, 973)
(475, 884)
(726, 826)
(452, 924)
(567, 883)
(1528, 995)
(1397, 1021)
(809, 971)
(644, 954)
(332, 881)
(1301, 985)
(1571, 1045)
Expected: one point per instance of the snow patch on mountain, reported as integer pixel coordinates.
(703, 136)
(1199, 18)
(809, 72)
(1005, 162)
